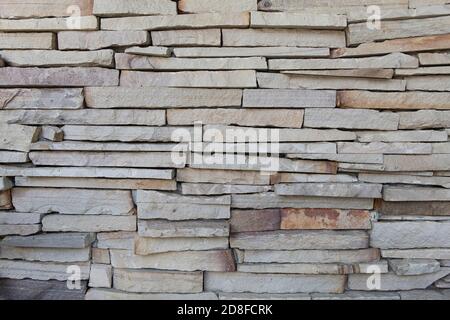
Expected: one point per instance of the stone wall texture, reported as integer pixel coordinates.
(95, 93)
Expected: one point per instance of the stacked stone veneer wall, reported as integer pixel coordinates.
(91, 106)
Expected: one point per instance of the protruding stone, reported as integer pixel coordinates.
(17, 218)
(434, 162)
(13, 157)
(222, 176)
(52, 133)
(411, 267)
(19, 229)
(221, 189)
(121, 240)
(17, 138)
(425, 119)
(150, 51)
(49, 240)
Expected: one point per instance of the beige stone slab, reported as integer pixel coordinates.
(183, 229)
(433, 162)
(121, 240)
(289, 81)
(350, 119)
(200, 6)
(416, 253)
(295, 5)
(313, 178)
(292, 268)
(404, 179)
(19, 229)
(417, 44)
(150, 246)
(83, 223)
(17, 137)
(283, 37)
(99, 146)
(149, 281)
(392, 193)
(108, 294)
(393, 60)
(84, 183)
(49, 24)
(351, 73)
(107, 98)
(303, 239)
(357, 158)
(221, 189)
(150, 51)
(359, 33)
(53, 58)
(338, 190)
(52, 240)
(13, 157)
(297, 20)
(213, 260)
(83, 172)
(398, 100)
(269, 52)
(100, 276)
(184, 21)
(77, 40)
(52, 133)
(72, 201)
(85, 117)
(41, 99)
(430, 59)
(423, 71)
(134, 62)
(125, 134)
(5, 199)
(222, 176)
(17, 9)
(16, 218)
(403, 136)
(58, 77)
(45, 41)
(259, 98)
(45, 254)
(280, 283)
(384, 148)
(272, 200)
(428, 83)
(255, 117)
(110, 8)
(107, 159)
(190, 79)
(201, 37)
(100, 256)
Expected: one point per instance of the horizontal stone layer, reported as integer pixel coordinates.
(41, 98)
(182, 229)
(42, 40)
(78, 40)
(87, 223)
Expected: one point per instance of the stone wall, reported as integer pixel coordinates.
(94, 96)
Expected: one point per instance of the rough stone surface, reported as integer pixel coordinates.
(41, 98)
(414, 266)
(255, 220)
(188, 229)
(75, 40)
(92, 223)
(149, 246)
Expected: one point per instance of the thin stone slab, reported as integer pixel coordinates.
(432, 208)
(19, 229)
(411, 267)
(410, 235)
(294, 240)
(158, 205)
(202, 37)
(221, 189)
(303, 219)
(289, 99)
(311, 178)
(351, 73)
(398, 100)
(85, 23)
(413, 194)
(403, 136)
(44, 41)
(393, 60)
(161, 98)
(91, 223)
(338, 190)
(181, 21)
(183, 229)
(72, 201)
(100, 146)
(295, 5)
(435, 58)
(426, 43)
(53, 58)
(45, 254)
(52, 133)
(108, 294)
(58, 77)
(351, 119)
(392, 282)
(295, 268)
(200, 6)
(359, 33)
(404, 179)
(425, 295)
(283, 37)
(222, 176)
(134, 62)
(297, 20)
(100, 276)
(110, 8)
(41, 98)
(49, 240)
(86, 183)
(273, 201)
(384, 148)
(80, 172)
(148, 281)
(190, 79)
(433, 162)
(218, 260)
(356, 295)
(14, 269)
(423, 71)
(86, 117)
(264, 296)
(15, 218)
(109, 159)
(255, 220)
(17, 9)
(360, 158)
(121, 240)
(13, 157)
(312, 256)
(17, 137)
(150, 51)
(150, 246)
(39, 290)
(257, 283)
(269, 52)
(77, 40)
(425, 119)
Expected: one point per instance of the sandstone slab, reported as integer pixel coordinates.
(17, 9)
(120, 240)
(384, 148)
(87, 23)
(41, 98)
(411, 267)
(150, 246)
(201, 37)
(13, 157)
(45, 41)
(222, 176)
(19, 229)
(49, 240)
(111, 8)
(17, 137)
(91, 223)
(424, 119)
(19, 218)
(100, 276)
(108, 294)
(289, 99)
(269, 52)
(150, 51)
(221, 189)
(433, 162)
(76, 40)
(199, 6)
(297, 20)
(403, 136)
(183, 229)
(432, 208)
(339, 190)
(255, 220)
(45, 254)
